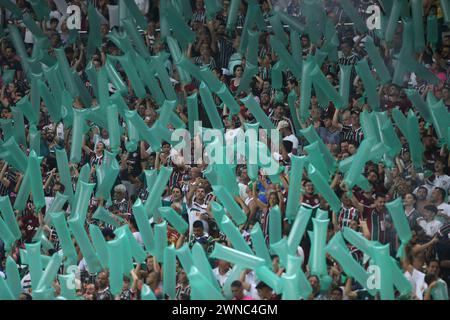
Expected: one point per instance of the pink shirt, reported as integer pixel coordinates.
(244, 298)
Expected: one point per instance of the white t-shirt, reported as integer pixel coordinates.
(430, 227)
(442, 182)
(138, 237)
(417, 280)
(444, 208)
(293, 139)
(221, 278)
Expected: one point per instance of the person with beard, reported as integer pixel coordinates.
(309, 198)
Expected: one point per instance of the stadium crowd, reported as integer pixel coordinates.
(426, 260)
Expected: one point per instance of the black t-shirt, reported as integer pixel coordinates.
(443, 253)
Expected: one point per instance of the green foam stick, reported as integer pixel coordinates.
(212, 8)
(270, 278)
(202, 264)
(115, 262)
(192, 109)
(9, 217)
(360, 160)
(248, 26)
(234, 275)
(154, 198)
(357, 240)
(28, 110)
(353, 14)
(12, 7)
(19, 126)
(210, 79)
(160, 230)
(133, 9)
(377, 61)
(393, 19)
(5, 290)
(176, 53)
(382, 260)
(419, 104)
(232, 14)
(81, 200)
(414, 139)
(147, 293)
(311, 135)
(293, 23)
(316, 158)
(144, 226)
(284, 56)
(432, 30)
(132, 31)
(292, 98)
(174, 218)
(305, 88)
(6, 235)
(398, 216)
(417, 16)
(276, 74)
(34, 170)
(252, 49)
(133, 247)
(78, 130)
(253, 106)
(7, 128)
(210, 107)
(227, 98)
(158, 65)
(202, 289)
(170, 272)
(17, 41)
(275, 225)
(363, 70)
(390, 139)
(298, 229)
(350, 266)
(58, 220)
(400, 121)
(35, 139)
(115, 78)
(34, 262)
(280, 248)
(132, 74)
(64, 171)
(106, 216)
(8, 76)
(259, 244)
(40, 8)
(295, 178)
(50, 272)
(249, 72)
(53, 109)
(55, 83)
(181, 30)
(94, 36)
(230, 204)
(85, 245)
(16, 157)
(294, 268)
(441, 120)
(277, 28)
(233, 233)
(185, 257)
(344, 84)
(318, 262)
(445, 7)
(244, 260)
(189, 67)
(68, 285)
(92, 77)
(13, 279)
(30, 23)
